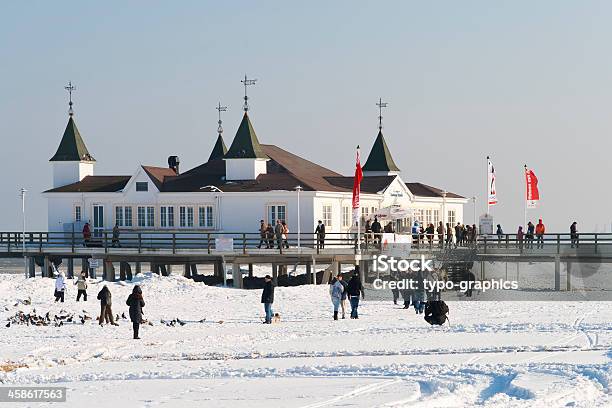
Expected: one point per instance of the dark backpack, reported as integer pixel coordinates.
(435, 312)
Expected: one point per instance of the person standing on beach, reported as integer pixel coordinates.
(81, 285)
(106, 312)
(136, 303)
(355, 288)
(267, 298)
(60, 287)
(335, 291)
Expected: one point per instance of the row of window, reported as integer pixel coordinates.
(145, 216)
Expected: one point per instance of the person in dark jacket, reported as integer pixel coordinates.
(136, 303)
(106, 312)
(267, 298)
(354, 289)
(376, 230)
(262, 234)
(435, 312)
(320, 231)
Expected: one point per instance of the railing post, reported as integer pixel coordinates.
(40, 242)
(318, 241)
(208, 242)
(72, 240)
(507, 241)
(105, 235)
(174, 242)
(558, 243)
(485, 244)
(244, 243)
(139, 242)
(595, 242)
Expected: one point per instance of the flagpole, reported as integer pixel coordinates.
(359, 217)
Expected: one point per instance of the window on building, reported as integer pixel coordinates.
(452, 218)
(142, 186)
(119, 220)
(327, 215)
(127, 214)
(276, 212)
(142, 222)
(417, 216)
(186, 217)
(78, 217)
(436, 217)
(166, 216)
(205, 216)
(346, 216)
(150, 216)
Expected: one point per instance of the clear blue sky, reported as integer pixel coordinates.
(525, 82)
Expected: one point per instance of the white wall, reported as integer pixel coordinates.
(68, 172)
(244, 169)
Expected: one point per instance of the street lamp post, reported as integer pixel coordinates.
(474, 199)
(298, 189)
(23, 245)
(218, 190)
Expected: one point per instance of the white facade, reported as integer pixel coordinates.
(233, 212)
(68, 172)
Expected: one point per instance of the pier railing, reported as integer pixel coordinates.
(252, 242)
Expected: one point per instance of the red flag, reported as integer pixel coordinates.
(357, 187)
(532, 192)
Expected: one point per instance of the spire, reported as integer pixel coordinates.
(220, 149)
(72, 147)
(380, 157)
(245, 144)
(380, 105)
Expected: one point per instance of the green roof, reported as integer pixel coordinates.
(219, 150)
(245, 144)
(380, 157)
(72, 147)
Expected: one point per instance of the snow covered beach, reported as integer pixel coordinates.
(493, 353)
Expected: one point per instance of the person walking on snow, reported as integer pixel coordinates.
(136, 303)
(60, 287)
(106, 312)
(267, 298)
(418, 296)
(355, 288)
(335, 291)
(540, 230)
(81, 285)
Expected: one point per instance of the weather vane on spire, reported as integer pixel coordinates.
(220, 109)
(246, 83)
(70, 88)
(380, 105)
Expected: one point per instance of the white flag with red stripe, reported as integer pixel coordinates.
(491, 190)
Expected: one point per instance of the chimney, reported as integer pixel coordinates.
(173, 163)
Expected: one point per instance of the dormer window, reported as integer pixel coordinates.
(142, 186)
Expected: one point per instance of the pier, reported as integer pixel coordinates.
(184, 250)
